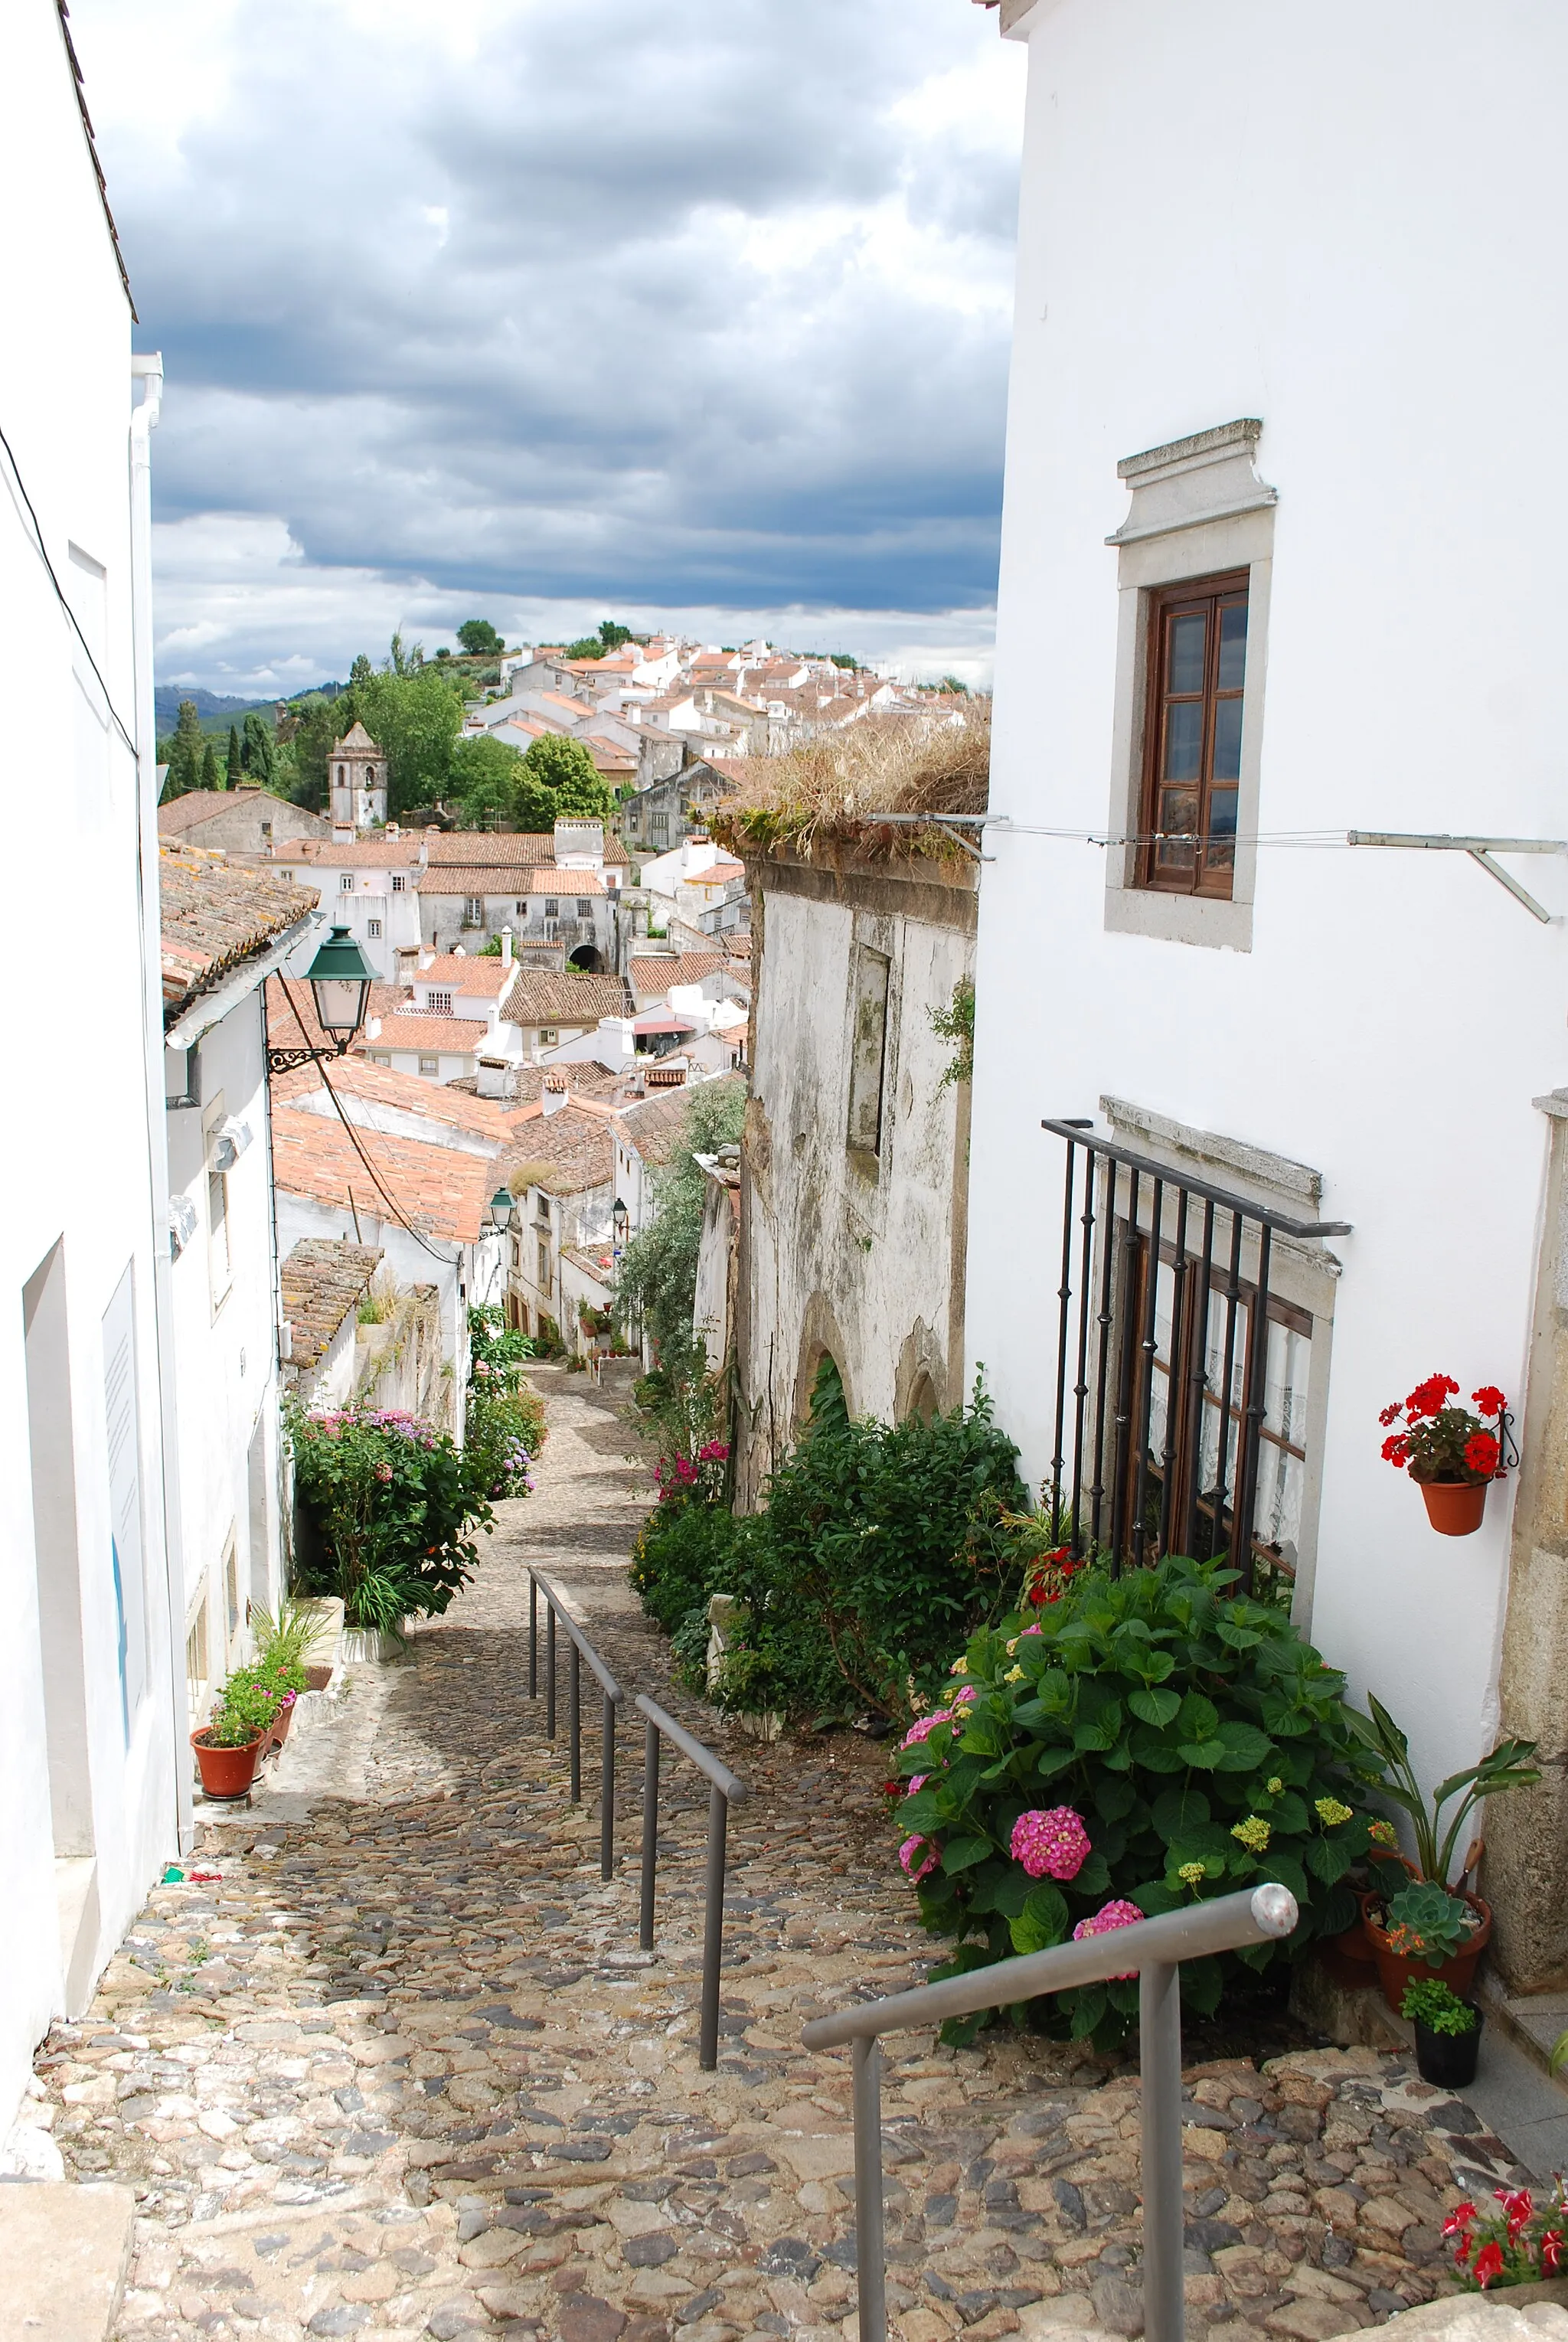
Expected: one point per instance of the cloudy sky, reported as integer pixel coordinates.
(695, 311)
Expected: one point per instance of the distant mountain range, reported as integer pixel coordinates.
(214, 709)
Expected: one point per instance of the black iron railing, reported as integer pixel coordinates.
(1168, 1424)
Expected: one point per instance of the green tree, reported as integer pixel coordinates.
(479, 638)
(612, 634)
(210, 768)
(257, 749)
(185, 751)
(235, 767)
(484, 778)
(585, 646)
(318, 722)
(416, 717)
(658, 1275)
(564, 767)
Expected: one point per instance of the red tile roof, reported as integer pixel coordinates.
(567, 1152)
(438, 1190)
(213, 916)
(451, 1036)
(651, 974)
(478, 974)
(543, 995)
(502, 845)
(437, 1102)
(321, 1280)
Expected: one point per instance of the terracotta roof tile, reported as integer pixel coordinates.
(213, 918)
(453, 1036)
(565, 997)
(653, 973)
(502, 845)
(511, 878)
(439, 1190)
(573, 1142)
(184, 814)
(401, 852)
(477, 973)
(321, 1280)
(438, 1102)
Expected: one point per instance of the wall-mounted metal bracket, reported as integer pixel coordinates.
(1479, 849)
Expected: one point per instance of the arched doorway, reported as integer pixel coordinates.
(586, 957)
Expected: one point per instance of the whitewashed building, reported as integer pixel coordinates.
(224, 932)
(92, 1699)
(1290, 324)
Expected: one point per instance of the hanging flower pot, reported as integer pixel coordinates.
(1449, 1451)
(1454, 1507)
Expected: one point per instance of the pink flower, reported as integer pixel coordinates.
(384, 1471)
(715, 1452)
(925, 1725)
(907, 1852)
(1030, 1630)
(916, 1781)
(1053, 1844)
(1117, 1913)
(964, 1692)
(687, 1471)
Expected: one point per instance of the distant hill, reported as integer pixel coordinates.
(217, 712)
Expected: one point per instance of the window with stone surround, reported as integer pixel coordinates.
(1195, 670)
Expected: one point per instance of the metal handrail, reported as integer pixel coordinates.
(1082, 1134)
(582, 1648)
(1154, 1949)
(725, 1792)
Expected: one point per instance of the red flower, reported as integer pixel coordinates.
(1462, 2250)
(1481, 1453)
(1458, 2221)
(1038, 1594)
(1488, 2263)
(1489, 1399)
(1429, 1396)
(1551, 2251)
(1517, 2208)
(1396, 1448)
(1391, 1414)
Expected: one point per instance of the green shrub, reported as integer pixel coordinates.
(683, 1554)
(1202, 1743)
(395, 1506)
(1429, 2001)
(243, 1711)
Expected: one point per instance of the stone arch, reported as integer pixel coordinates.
(586, 957)
(920, 1381)
(821, 1336)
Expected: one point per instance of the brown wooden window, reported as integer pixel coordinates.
(1193, 735)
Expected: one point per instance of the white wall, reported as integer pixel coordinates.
(225, 1350)
(1346, 223)
(80, 1178)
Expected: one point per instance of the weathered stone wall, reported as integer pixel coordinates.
(842, 1249)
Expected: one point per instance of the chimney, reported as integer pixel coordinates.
(555, 1094)
(427, 954)
(505, 947)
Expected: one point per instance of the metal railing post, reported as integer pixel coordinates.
(650, 1831)
(575, 1721)
(550, 1670)
(532, 1636)
(714, 1929)
(870, 2251)
(1160, 2055)
(607, 1793)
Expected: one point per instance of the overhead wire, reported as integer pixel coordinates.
(392, 1206)
(42, 550)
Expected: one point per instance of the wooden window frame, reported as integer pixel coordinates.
(1213, 881)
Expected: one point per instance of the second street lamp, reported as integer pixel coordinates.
(340, 977)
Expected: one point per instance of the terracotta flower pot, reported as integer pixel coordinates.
(1395, 1970)
(227, 1772)
(278, 1733)
(1454, 1507)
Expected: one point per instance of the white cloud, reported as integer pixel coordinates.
(709, 312)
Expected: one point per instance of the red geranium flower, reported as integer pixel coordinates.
(1429, 1396)
(1391, 1414)
(1489, 1399)
(1488, 2263)
(1396, 1448)
(1482, 1451)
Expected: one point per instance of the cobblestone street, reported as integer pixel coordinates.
(398, 2065)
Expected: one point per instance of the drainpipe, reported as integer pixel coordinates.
(149, 371)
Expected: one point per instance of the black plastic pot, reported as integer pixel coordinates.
(1447, 2060)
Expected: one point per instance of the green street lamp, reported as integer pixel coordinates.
(340, 977)
(501, 1206)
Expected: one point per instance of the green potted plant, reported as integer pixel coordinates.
(1447, 2032)
(282, 1642)
(1448, 1452)
(229, 1747)
(1448, 1935)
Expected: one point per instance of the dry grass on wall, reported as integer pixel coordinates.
(825, 794)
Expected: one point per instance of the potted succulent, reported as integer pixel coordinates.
(229, 1747)
(1430, 1925)
(1447, 2032)
(1448, 1452)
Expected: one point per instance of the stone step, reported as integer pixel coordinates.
(63, 2254)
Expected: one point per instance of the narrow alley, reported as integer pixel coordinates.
(389, 2061)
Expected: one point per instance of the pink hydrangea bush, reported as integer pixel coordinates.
(907, 1852)
(1117, 1913)
(1051, 1844)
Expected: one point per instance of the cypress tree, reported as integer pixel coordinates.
(236, 766)
(185, 751)
(210, 768)
(257, 751)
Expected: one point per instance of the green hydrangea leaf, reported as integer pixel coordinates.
(1246, 1748)
(1204, 1756)
(963, 1853)
(1156, 1707)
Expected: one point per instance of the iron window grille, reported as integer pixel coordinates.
(1180, 1394)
